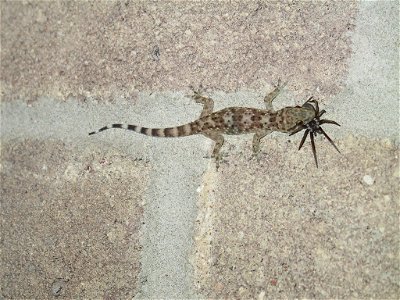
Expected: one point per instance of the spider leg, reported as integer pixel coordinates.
(297, 130)
(311, 99)
(328, 122)
(321, 113)
(304, 138)
(329, 139)
(313, 148)
(316, 108)
(308, 105)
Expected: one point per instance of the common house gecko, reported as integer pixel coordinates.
(240, 120)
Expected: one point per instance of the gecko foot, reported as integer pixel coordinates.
(256, 156)
(219, 159)
(280, 85)
(197, 92)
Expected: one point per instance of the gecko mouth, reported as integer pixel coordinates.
(314, 127)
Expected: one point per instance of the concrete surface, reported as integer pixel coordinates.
(326, 233)
(69, 210)
(120, 215)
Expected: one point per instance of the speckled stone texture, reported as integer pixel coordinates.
(280, 228)
(276, 227)
(110, 49)
(70, 220)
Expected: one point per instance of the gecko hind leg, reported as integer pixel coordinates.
(257, 139)
(208, 103)
(256, 143)
(272, 95)
(219, 141)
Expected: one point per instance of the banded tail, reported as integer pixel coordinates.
(183, 130)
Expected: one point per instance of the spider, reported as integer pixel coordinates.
(314, 127)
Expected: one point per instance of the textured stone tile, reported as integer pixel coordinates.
(70, 221)
(111, 49)
(281, 228)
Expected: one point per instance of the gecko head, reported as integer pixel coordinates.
(292, 118)
(300, 116)
(312, 122)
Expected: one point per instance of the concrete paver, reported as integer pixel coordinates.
(284, 229)
(124, 215)
(70, 221)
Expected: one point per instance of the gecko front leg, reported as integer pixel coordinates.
(272, 95)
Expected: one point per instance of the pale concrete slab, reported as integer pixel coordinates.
(71, 67)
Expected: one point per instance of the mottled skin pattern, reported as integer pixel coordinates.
(234, 120)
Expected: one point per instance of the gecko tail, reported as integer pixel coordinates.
(121, 126)
(182, 130)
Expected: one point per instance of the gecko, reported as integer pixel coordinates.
(241, 120)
